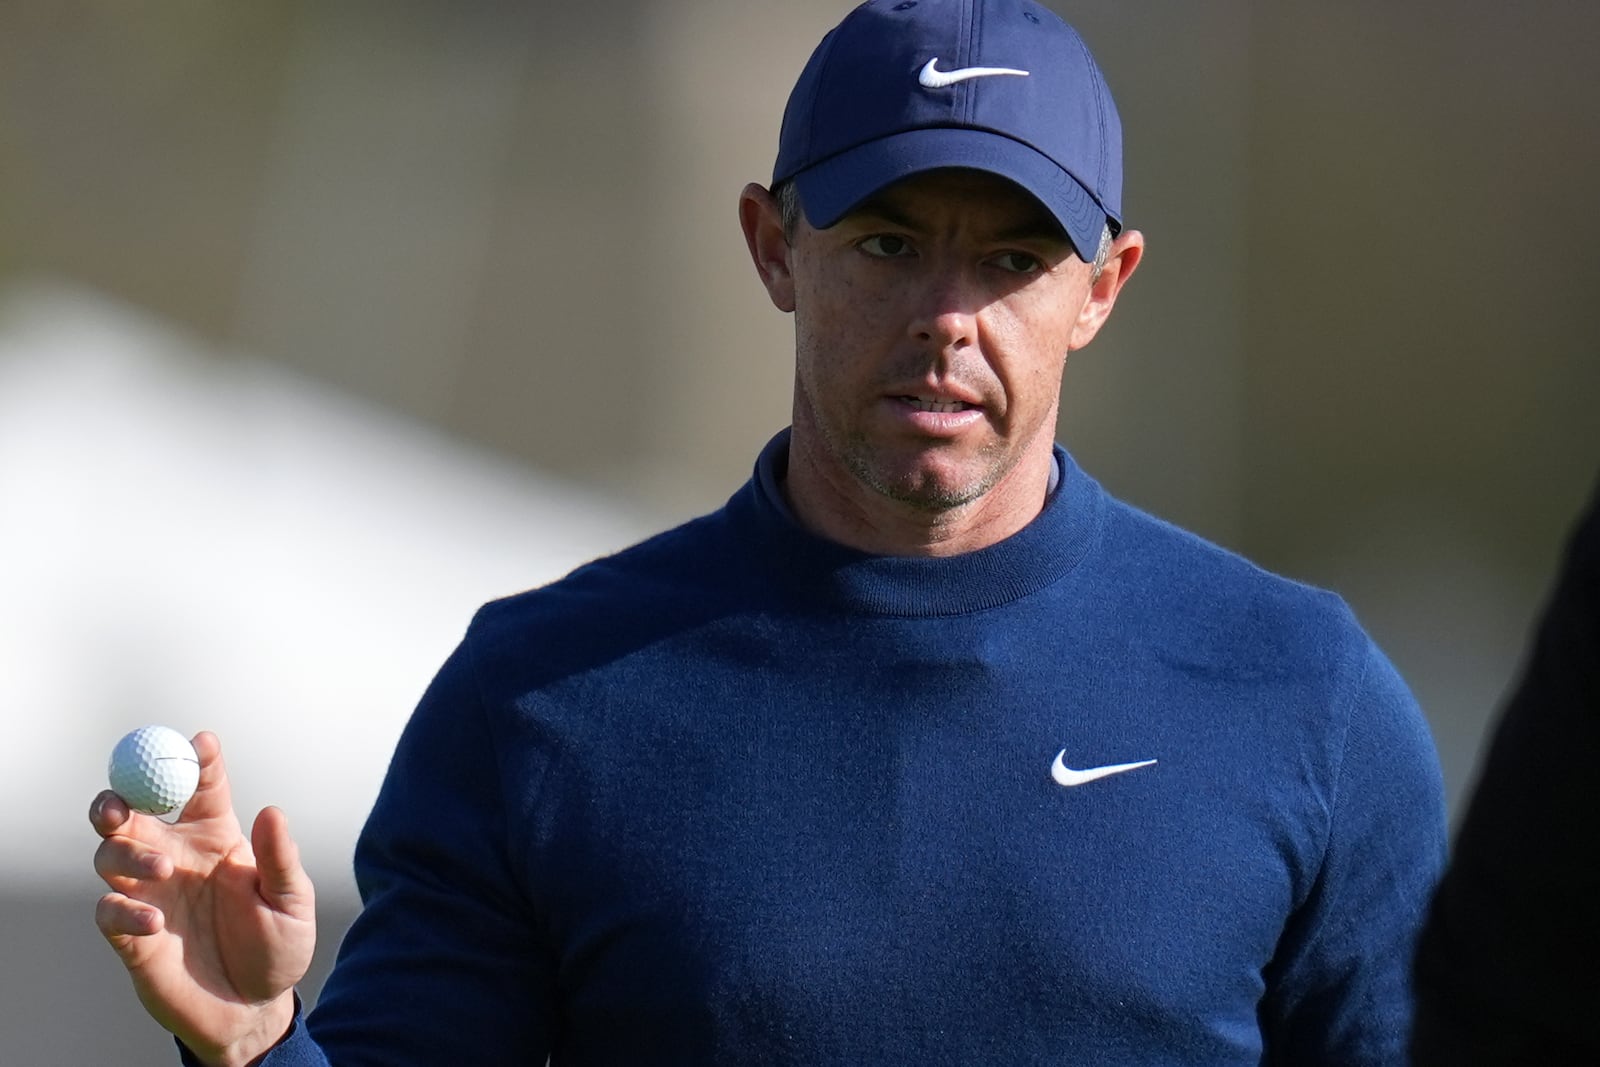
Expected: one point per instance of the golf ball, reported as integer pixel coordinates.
(154, 770)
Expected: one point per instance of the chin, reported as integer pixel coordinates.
(924, 489)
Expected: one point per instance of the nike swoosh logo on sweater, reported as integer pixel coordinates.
(931, 77)
(1069, 777)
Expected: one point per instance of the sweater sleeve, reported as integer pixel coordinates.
(1339, 987)
(296, 1049)
(445, 963)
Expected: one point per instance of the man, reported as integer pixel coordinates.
(1505, 967)
(922, 749)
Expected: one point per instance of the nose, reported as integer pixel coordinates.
(947, 311)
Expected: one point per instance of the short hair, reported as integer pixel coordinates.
(1102, 254)
(788, 198)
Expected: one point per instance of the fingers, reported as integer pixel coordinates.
(284, 884)
(213, 797)
(113, 820)
(108, 813)
(139, 852)
(121, 861)
(120, 917)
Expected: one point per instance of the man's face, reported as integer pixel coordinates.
(932, 327)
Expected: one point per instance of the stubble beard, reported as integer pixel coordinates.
(924, 494)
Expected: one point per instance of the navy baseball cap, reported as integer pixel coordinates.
(905, 86)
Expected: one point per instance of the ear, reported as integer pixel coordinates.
(1126, 252)
(762, 221)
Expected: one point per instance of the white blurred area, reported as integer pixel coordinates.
(218, 543)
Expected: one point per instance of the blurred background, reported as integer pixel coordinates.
(323, 323)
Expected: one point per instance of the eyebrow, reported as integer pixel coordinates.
(1041, 227)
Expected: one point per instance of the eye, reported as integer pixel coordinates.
(1018, 263)
(885, 245)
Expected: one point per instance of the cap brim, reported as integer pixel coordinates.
(830, 189)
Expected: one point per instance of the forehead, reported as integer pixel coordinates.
(972, 194)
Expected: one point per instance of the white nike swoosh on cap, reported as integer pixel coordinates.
(933, 78)
(1068, 777)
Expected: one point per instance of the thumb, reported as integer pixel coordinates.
(284, 884)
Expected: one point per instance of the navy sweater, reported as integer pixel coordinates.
(740, 795)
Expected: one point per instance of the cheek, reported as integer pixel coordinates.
(837, 320)
(1035, 383)
(1029, 346)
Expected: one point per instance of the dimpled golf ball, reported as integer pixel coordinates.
(154, 770)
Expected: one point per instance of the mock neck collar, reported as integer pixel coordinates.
(828, 574)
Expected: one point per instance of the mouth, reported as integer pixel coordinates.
(928, 403)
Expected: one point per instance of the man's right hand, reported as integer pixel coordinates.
(215, 930)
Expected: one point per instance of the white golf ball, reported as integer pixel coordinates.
(154, 770)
